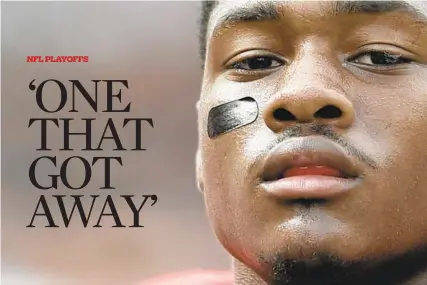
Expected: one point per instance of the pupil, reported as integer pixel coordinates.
(259, 63)
(382, 58)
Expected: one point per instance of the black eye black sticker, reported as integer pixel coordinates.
(232, 115)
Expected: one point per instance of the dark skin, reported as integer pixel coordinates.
(371, 67)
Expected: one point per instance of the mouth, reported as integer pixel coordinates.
(313, 167)
(308, 169)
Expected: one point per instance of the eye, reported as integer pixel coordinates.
(380, 58)
(257, 63)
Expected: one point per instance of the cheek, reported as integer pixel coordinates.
(221, 172)
(230, 199)
(395, 125)
(391, 122)
(219, 192)
(228, 191)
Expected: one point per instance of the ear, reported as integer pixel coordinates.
(199, 171)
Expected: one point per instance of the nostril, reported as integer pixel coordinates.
(283, 115)
(328, 112)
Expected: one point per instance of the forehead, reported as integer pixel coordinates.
(236, 10)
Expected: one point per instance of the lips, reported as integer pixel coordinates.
(309, 168)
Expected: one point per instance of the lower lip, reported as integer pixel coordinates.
(310, 187)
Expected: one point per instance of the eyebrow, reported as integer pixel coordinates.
(377, 7)
(269, 11)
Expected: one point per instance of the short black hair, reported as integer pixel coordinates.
(207, 8)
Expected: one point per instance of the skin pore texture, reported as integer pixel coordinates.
(348, 82)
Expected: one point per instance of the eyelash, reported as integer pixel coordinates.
(237, 65)
(394, 56)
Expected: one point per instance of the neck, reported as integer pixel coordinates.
(406, 271)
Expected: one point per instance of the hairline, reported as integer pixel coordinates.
(214, 15)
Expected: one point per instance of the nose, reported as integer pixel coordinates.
(319, 105)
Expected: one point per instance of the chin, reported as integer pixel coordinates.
(309, 247)
(304, 237)
(303, 258)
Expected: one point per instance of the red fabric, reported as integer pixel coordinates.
(194, 277)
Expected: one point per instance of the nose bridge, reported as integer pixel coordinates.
(313, 66)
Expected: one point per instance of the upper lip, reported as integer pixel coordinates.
(307, 151)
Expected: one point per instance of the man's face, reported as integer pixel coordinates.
(336, 162)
